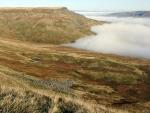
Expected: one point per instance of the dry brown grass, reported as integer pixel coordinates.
(99, 81)
(33, 76)
(22, 94)
(43, 25)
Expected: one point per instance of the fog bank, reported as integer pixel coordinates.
(126, 38)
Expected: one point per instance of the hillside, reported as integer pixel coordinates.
(140, 14)
(44, 25)
(83, 80)
(42, 77)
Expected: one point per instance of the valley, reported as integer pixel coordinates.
(43, 76)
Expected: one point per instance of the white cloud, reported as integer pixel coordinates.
(125, 36)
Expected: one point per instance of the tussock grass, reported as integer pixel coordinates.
(23, 102)
(36, 74)
(25, 94)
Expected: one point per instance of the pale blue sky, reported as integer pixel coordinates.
(102, 5)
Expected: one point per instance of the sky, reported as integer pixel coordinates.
(91, 5)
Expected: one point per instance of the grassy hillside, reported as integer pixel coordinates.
(47, 78)
(44, 25)
(63, 79)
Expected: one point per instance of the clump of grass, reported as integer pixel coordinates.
(23, 102)
(69, 107)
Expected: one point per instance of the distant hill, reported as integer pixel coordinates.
(43, 25)
(142, 14)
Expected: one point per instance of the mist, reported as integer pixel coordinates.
(124, 36)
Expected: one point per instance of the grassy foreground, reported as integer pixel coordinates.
(47, 78)
(41, 78)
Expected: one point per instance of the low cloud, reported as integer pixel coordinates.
(124, 38)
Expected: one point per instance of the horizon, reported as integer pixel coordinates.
(91, 5)
(25, 7)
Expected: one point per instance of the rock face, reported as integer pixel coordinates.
(140, 14)
(43, 25)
